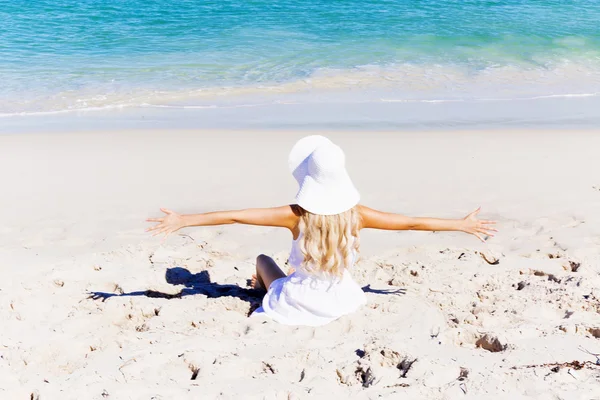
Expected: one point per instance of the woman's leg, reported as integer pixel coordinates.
(266, 272)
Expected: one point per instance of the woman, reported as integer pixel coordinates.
(325, 224)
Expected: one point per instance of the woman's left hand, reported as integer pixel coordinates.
(470, 224)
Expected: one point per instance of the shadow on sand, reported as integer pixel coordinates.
(200, 283)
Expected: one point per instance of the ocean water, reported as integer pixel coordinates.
(290, 62)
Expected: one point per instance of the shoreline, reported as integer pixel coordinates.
(337, 113)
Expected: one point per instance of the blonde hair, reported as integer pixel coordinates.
(330, 242)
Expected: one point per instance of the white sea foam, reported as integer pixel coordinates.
(486, 99)
(406, 83)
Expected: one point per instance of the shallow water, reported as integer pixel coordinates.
(384, 57)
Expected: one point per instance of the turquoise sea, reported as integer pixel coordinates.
(460, 61)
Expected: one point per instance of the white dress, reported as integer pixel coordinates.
(305, 299)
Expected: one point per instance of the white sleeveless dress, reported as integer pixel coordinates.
(305, 299)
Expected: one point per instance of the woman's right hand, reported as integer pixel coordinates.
(170, 223)
(476, 227)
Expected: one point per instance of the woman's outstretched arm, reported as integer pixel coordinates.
(284, 217)
(470, 224)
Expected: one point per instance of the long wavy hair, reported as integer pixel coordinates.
(330, 242)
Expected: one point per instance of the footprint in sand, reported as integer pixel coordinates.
(376, 365)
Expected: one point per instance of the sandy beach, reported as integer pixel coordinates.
(92, 307)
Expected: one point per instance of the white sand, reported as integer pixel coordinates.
(73, 209)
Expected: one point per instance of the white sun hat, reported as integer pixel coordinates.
(319, 167)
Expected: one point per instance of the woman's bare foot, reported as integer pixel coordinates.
(255, 283)
(291, 270)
